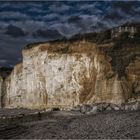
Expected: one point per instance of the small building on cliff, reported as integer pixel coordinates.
(129, 28)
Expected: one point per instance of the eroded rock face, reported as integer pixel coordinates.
(133, 75)
(14, 95)
(67, 74)
(47, 78)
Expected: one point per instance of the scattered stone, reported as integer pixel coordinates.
(48, 110)
(122, 106)
(76, 108)
(99, 107)
(21, 114)
(137, 105)
(94, 110)
(108, 108)
(114, 107)
(3, 117)
(35, 113)
(132, 106)
(85, 108)
(102, 106)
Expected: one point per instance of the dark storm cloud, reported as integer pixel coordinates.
(126, 7)
(14, 31)
(74, 19)
(10, 51)
(26, 22)
(47, 34)
(84, 21)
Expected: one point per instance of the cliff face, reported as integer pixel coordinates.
(51, 75)
(13, 95)
(67, 74)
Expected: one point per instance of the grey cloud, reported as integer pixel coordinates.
(121, 12)
(31, 4)
(90, 8)
(11, 49)
(87, 6)
(19, 4)
(74, 19)
(114, 16)
(30, 25)
(59, 7)
(3, 61)
(3, 25)
(51, 16)
(11, 14)
(66, 29)
(125, 6)
(84, 22)
(36, 10)
(14, 31)
(47, 34)
(49, 20)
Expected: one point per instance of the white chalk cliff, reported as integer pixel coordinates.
(66, 74)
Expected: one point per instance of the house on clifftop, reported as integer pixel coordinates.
(130, 28)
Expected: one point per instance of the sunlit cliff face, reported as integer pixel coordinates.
(65, 74)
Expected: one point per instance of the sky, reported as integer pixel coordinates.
(24, 22)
